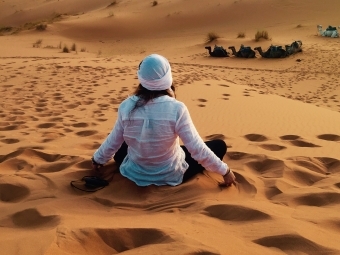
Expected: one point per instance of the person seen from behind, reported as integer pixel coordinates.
(144, 141)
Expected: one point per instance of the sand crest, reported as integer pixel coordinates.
(279, 117)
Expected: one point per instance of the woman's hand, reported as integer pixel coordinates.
(95, 165)
(229, 178)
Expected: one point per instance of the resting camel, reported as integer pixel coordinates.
(329, 32)
(218, 51)
(295, 47)
(244, 52)
(272, 52)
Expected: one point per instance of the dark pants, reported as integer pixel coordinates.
(217, 146)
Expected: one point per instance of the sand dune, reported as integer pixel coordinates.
(279, 117)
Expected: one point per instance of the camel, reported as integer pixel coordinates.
(272, 52)
(294, 47)
(244, 52)
(218, 51)
(329, 32)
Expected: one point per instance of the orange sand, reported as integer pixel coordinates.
(279, 117)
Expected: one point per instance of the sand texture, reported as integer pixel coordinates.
(279, 117)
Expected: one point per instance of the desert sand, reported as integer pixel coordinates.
(279, 117)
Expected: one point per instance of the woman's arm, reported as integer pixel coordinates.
(111, 144)
(196, 146)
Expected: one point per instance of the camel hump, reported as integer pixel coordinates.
(245, 47)
(220, 50)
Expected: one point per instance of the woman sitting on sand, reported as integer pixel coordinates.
(144, 139)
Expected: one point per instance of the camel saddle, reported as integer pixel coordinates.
(245, 48)
(330, 28)
(221, 50)
(275, 47)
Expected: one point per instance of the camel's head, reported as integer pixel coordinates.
(319, 27)
(207, 47)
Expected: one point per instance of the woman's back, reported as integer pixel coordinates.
(150, 131)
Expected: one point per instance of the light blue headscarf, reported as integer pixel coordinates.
(155, 73)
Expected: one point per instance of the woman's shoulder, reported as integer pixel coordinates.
(173, 102)
(127, 102)
(180, 104)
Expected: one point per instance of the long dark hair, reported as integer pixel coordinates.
(144, 95)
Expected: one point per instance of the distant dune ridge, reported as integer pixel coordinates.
(279, 117)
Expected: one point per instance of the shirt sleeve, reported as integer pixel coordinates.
(196, 146)
(111, 144)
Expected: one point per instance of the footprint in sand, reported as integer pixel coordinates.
(101, 120)
(67, 130)
(318, 199)
(235, 213)
(12, 127)
(80, 125)
(11, 193)
(301, 143)
(72, 106)
(246, 93)
(41, 105)
(226, 96)
(329, 137)
(56, 119)
(215, 136)
(289, 137)
(9, 140)
(297, 141)
(46, 125)
(31, 218)
(119, 241)
(294, 242)
(86, 133)
(256, 137)
(272, 147)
